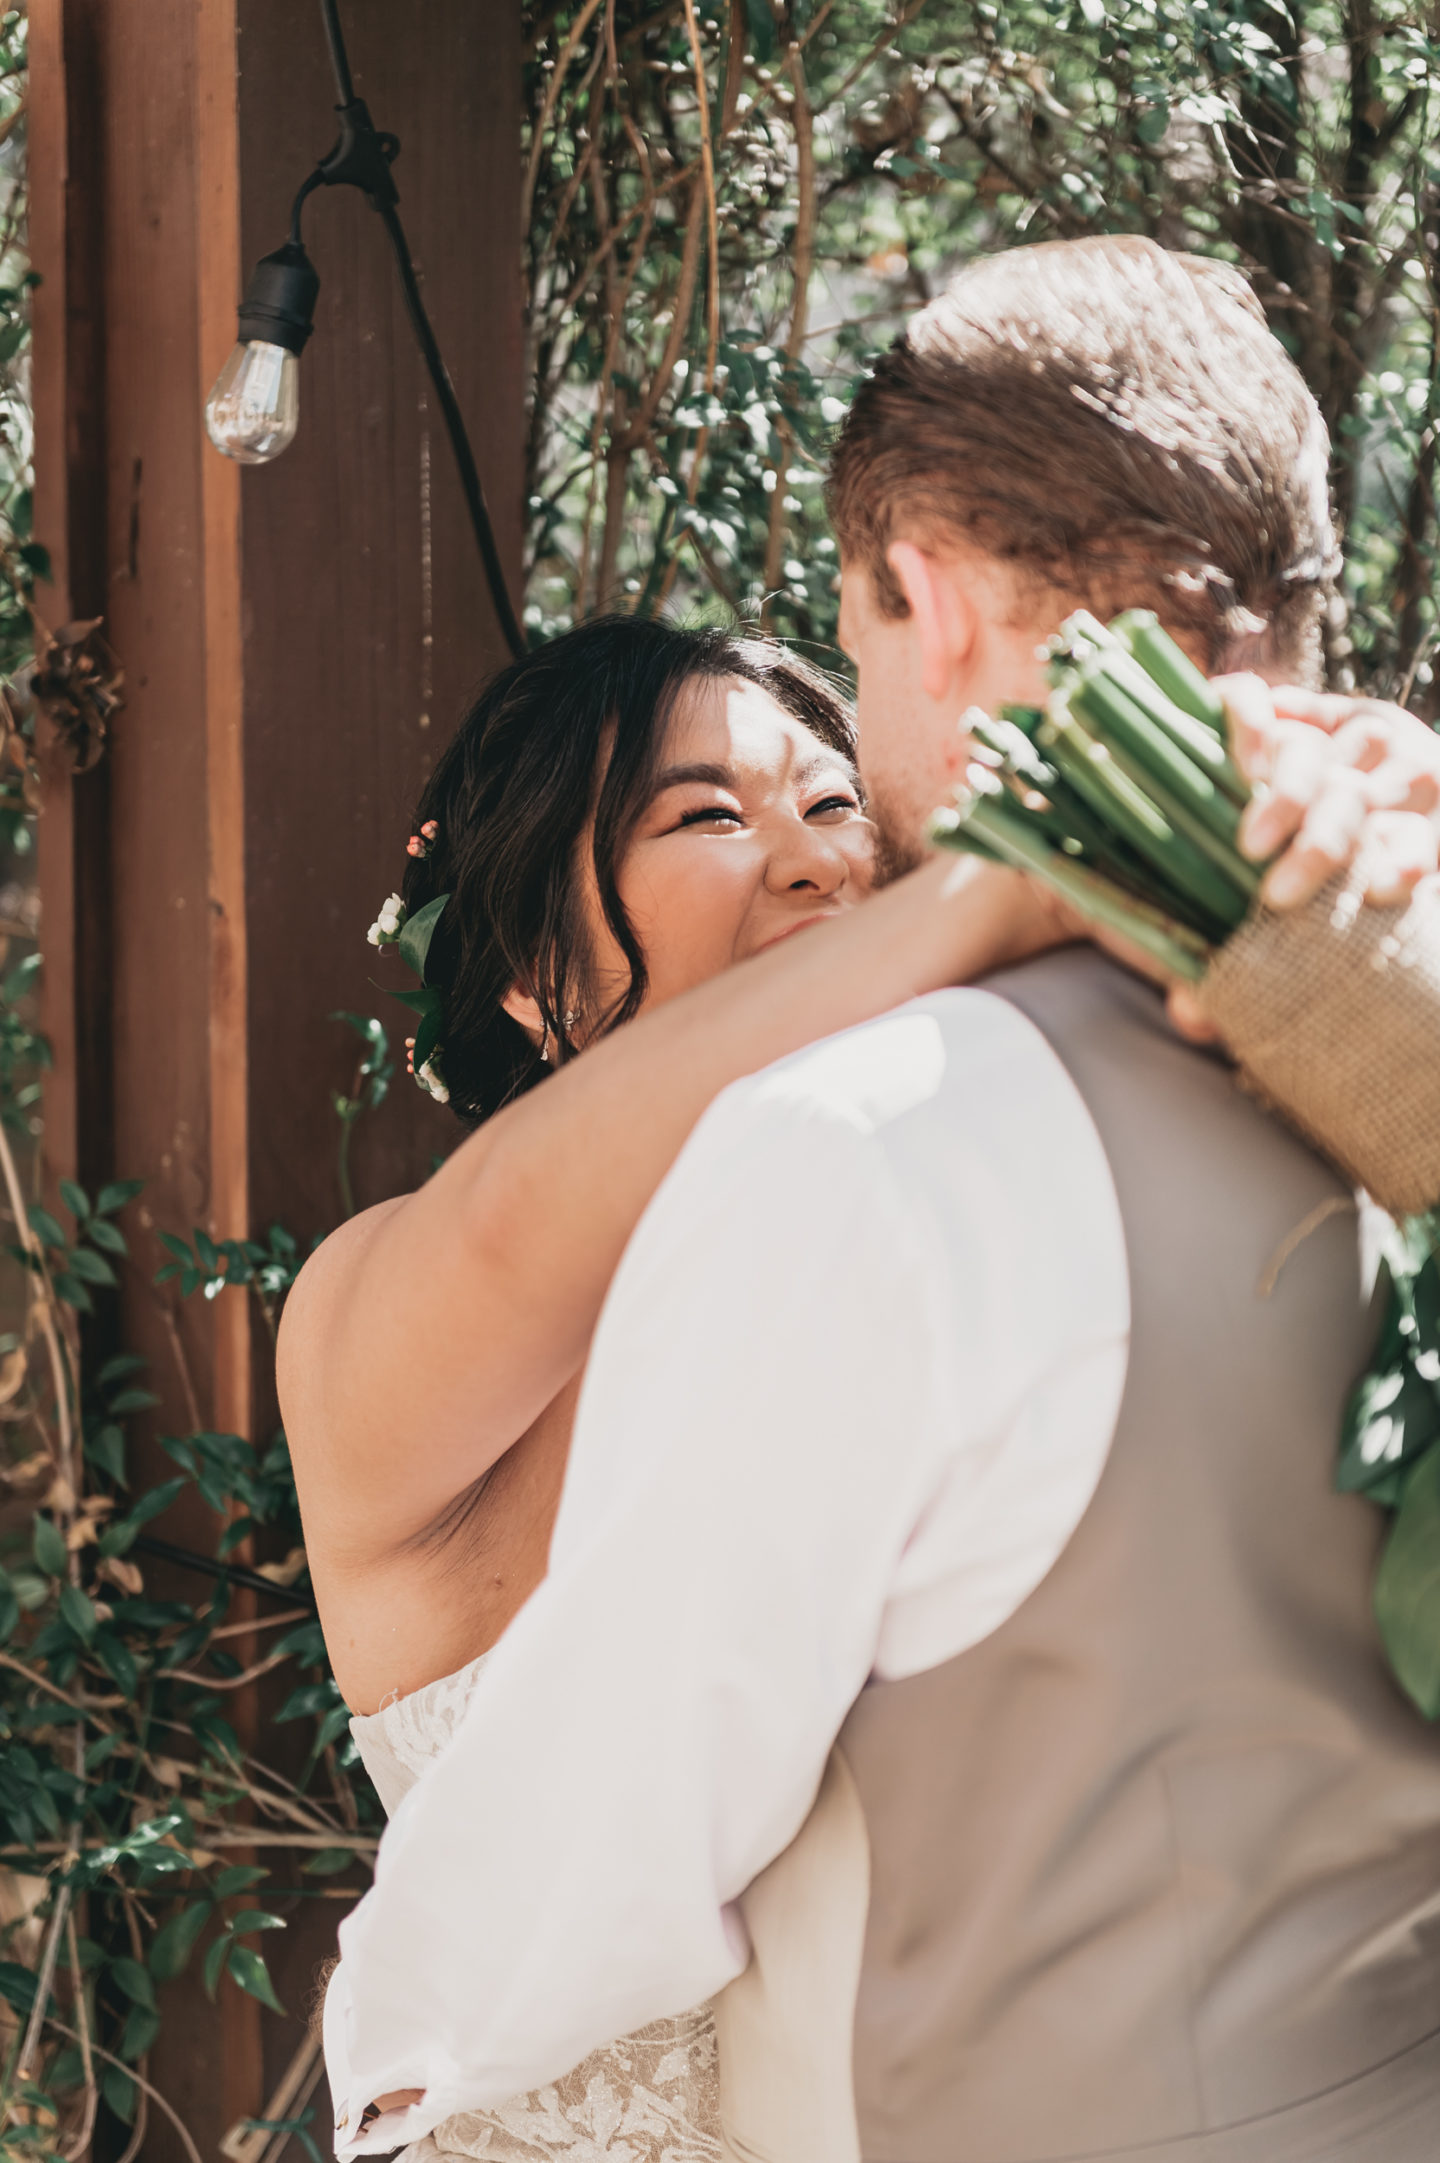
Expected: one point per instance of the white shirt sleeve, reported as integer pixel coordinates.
(852, 1390)
(760, 1430)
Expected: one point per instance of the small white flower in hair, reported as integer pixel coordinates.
(389, 923)
(431, 1078)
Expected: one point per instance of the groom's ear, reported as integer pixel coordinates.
(944, 617)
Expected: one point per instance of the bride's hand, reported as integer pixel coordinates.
(1335, 778)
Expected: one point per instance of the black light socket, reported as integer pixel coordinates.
(279, 303)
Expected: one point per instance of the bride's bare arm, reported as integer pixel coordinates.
(427, 1335)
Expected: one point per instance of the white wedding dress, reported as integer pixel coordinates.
(651, 2098)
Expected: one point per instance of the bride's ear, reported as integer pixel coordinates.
(519, 1005)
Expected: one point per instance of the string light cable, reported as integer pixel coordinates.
(253, 412)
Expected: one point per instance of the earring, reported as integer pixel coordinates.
(545, 1045)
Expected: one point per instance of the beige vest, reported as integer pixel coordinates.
(1154, 1871)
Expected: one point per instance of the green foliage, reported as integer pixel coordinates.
(1390, 1451)
(865, 150)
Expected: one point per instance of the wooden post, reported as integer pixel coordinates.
(297, 640)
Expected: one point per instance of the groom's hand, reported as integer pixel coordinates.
(1335, 779)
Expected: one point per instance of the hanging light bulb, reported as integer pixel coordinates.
(254, 409)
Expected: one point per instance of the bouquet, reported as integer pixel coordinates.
(1120, 792)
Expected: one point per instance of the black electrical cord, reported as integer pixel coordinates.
(362, 158)
(339, 58)
(455, 428)
(185, 1558)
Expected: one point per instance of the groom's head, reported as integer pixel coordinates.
(1097, 424)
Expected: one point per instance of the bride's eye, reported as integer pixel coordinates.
(708, 814)
(830, 804)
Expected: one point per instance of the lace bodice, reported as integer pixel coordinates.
(650, 2098)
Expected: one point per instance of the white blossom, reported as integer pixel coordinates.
(430, 1077)
(387, 924)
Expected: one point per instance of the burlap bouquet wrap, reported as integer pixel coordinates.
(1333, 1013)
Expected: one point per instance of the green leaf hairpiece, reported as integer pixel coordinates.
(394, 926)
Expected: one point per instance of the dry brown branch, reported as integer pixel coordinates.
(802, 268)
(182, 1364)
(552, 92)
(192, 2152)
(263, 1622)
(80, 2140)
(847, 82)
(49, 1959)
(225, 1682)
(46, 1310)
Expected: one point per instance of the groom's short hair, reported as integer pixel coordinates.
(1117, 420)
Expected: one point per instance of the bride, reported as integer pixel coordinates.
(623, 817)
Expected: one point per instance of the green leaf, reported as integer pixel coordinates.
(414, 940)
(44, 1226)
(310, 1697)
(116, 1369)
(106, 1448)
(762, 29)
(118, 2090)
(109, 1236)
(116, 1195)
(1391, 1418)
(154, 1504)
(114, 1657)
(76, 1200)
(173, 1943)
(17, 1985)
(215, 1960)
(90, 1267)
(78, 1612)
(1407, 1588)
(250, 1972)
(250, 1919)
(141, 2030)
(132, 1400)
(237, 1879)
(134, 1981)
(48, 1546)
(327, 1863)
(72, 1291)
(427, 1036)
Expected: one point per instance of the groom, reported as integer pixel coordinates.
(954, 1653)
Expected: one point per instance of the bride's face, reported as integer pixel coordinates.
(755, 832)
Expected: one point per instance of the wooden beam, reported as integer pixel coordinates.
(298, 641)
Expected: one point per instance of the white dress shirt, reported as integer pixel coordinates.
(852, 1390)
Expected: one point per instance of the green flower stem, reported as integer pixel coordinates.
(1112, 713)
(1198, 741)
(1007, 834)
(1138, 631)
(1094, 774)
(1233, 867)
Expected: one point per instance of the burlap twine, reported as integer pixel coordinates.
(1333, 1013)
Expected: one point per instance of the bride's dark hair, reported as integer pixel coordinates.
(574, 728)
